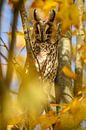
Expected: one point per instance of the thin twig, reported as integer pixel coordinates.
(2, 64)
(25, 27)
(13, 92)
(14, 62)
(4, 56)
(21, 50)
(4, 44)
(1, 6)
(12, 44)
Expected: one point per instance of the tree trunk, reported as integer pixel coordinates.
(24, 19)
(63, 84)
(29, 65)
(3, 125)
(79, 42)
(2, 122)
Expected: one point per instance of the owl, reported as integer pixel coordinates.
(44, 49)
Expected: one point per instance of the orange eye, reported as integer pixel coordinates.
(37, 31)
(48, 31)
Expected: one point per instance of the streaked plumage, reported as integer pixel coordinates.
(43, 48)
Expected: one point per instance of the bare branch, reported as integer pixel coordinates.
(3, 56)
(24, 18)
(63, 83)
(12, 44)
(80, 40)
(4, 44)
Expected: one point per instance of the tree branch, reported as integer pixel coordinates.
(79, 42)
(63, 84)
(12, 44)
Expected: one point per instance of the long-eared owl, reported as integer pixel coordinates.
(43, 48)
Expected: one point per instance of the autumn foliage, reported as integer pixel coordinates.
(31, 105)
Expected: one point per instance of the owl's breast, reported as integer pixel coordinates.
(41, 51)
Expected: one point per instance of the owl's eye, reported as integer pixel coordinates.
(37, 28)
(48, 29)
(37, 31)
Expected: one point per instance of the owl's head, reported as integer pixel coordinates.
(43, 28)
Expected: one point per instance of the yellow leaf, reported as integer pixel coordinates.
(84, 16)
(68, 14)
(84, 61)
(49, 4)
(71, 106)
(68, 72)
(83, 58)
(45, 5)
(65, 25)
(20, 59)
(74, 106)
(47, 120)
(64, 18)
(83, 47)
(38, 4)
(72, 115)
(15, 120)
(83, 91)
(65, 3)
(66, 109)
(59, 17)
(74, 15)
(20, 41)
(9, 127)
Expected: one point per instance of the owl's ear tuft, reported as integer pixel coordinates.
(36, 17)
(52, 16)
